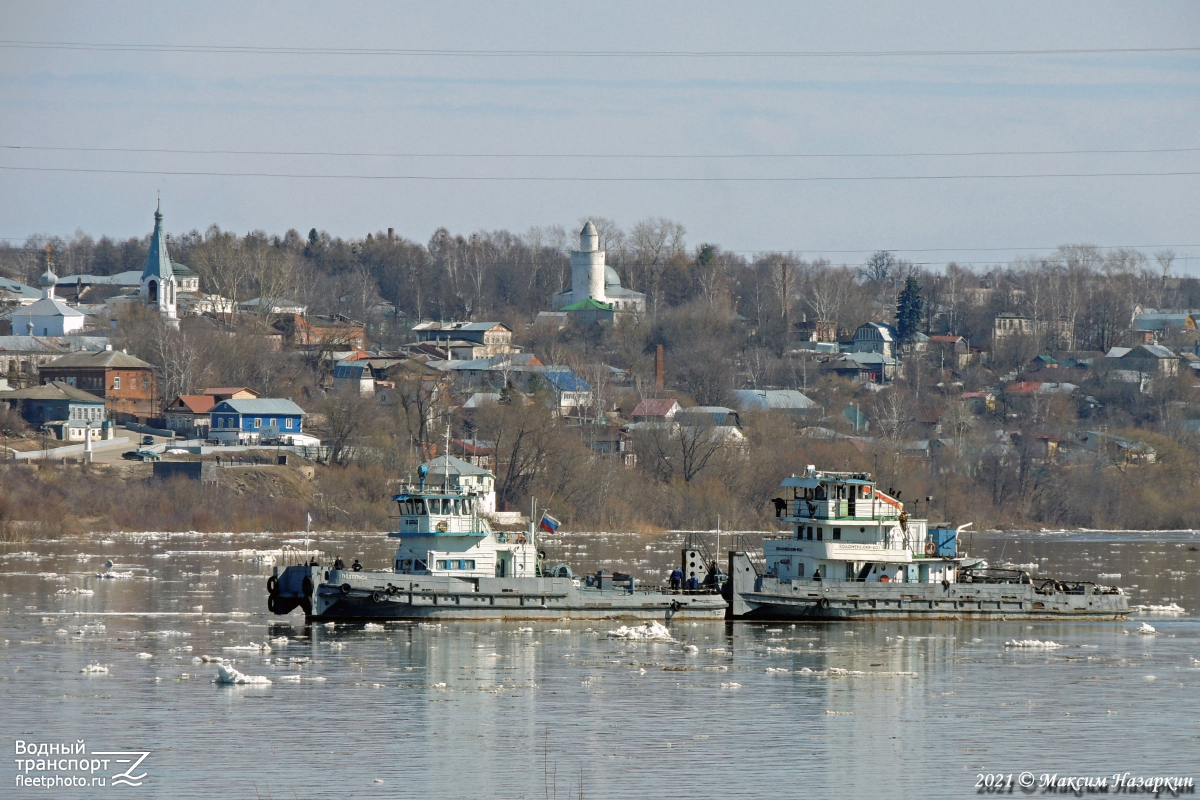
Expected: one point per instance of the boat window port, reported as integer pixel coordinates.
(456, 563)
(837, 533)
(810, 533)
(820, 534)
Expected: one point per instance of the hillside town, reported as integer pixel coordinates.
(629, 379)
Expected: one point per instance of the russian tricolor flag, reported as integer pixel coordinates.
(548, 523)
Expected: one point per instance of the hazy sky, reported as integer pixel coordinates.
(390, 104)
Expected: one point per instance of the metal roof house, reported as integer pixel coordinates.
(252, 420)
(876, 337)
(62, 408)
(788, 400)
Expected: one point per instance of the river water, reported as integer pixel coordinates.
(498, 710)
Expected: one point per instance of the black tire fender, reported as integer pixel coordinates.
(823, 603)
(273, 584)
(346, 588)
(377, 597)
(307, 586)
(271, 604)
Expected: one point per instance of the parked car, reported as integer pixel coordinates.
(131, 455)
(147, 440)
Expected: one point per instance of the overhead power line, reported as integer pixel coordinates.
(598, 179)
(488, 53)
(664, 156)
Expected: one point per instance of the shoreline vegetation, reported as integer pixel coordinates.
(42, 500)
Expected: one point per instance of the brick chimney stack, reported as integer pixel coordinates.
(658, 367)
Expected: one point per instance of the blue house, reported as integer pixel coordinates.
(254, 419)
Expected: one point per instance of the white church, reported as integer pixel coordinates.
(48, 316)
(592, 279)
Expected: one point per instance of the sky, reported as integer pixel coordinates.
(819, 134)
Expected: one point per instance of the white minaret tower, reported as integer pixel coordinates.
(587, 267)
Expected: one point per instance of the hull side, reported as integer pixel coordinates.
(933, 602)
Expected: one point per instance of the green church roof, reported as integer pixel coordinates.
(591, 304)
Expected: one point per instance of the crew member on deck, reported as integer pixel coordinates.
(692, 583)
(338, 563)
(676, 578)
(356, 566)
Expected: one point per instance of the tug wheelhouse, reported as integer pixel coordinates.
(442, 533)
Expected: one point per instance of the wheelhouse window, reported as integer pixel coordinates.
(820, 534)
(837, 533)
(419, 565)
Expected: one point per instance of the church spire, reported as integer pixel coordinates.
(158, 261)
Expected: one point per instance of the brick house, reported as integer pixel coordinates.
(128, 385)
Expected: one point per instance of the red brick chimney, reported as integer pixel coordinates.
(658, 367)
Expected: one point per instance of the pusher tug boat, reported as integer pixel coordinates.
(450, 564)
(852, 553)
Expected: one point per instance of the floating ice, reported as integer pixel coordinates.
(227, 674)
(731, 685)
(691, 648)
(145, 655)
(1171, 608)
(1033, 643)
(1147, 629)
(249, 648)
(652, 631)
(280, 640)
(95, 669)
(75, 591)
(370, 626)
(1109, 576)
(114, 575)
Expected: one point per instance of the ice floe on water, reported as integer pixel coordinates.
(1146, 629)
(91, 627)
(1036, 644)
(1170, 608)
(651, 631)
(229, 675)
(249, 648)
(145, 655)
(370, 626)
(114, 576)
(280, 641)
(75, 591)
(95, 669)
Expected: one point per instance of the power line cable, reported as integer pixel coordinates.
(597, 179)
(498, 53)
(665, 156)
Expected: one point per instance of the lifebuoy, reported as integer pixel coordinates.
(307, 586)
(272, 584)
(521, 538)
(823, 603)
(930, 549)
(443, 526)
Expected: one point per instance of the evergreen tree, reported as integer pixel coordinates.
(909, 307)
